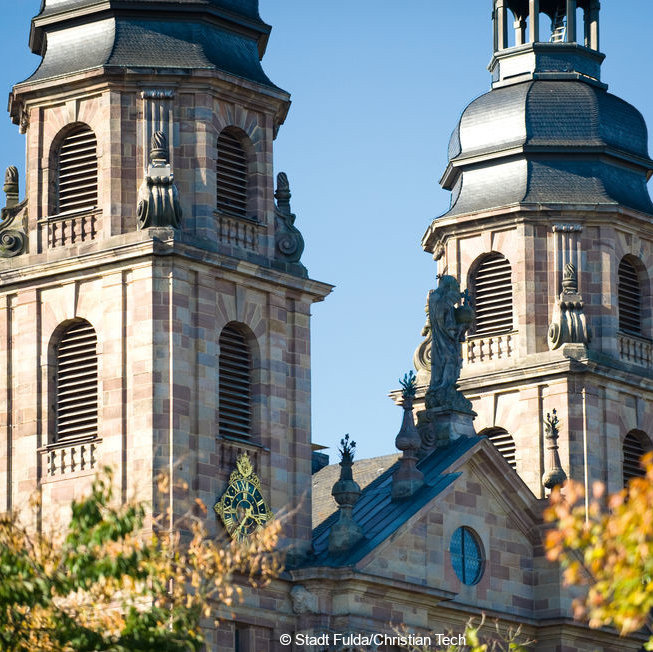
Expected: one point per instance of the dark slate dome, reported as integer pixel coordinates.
(558, 141)
(78, 35)
(247, 8)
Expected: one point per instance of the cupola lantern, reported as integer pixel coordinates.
(569, 50)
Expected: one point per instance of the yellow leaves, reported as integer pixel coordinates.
(104, 574)
(608, 548)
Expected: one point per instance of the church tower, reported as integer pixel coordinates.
(550, 230)
(154, 312)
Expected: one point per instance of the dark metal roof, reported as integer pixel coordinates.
(551, 142)
(225, 35)
(364, 472)
(379, 516)
(248, 8)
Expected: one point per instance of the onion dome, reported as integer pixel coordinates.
(77, 35)
(548, 132)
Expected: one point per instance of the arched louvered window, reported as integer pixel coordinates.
(629, 292)
(503, 442)
(635, 445)
(235, 369)
(77, 382)
(492, 288)
(77, 171)
(232, 173)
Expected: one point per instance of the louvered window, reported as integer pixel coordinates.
(77, 382)
(78, 177)
(504, 443)
(235, 384)
(630, 297)
(492, 287)
(232, 174)
(633, 451)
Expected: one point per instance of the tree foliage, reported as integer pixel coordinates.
(104, 584)
(608, 549)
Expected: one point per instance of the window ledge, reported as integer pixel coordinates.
(243, 442)
(236, 216)
(59, 217)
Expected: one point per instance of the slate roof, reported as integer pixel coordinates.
(548, 141)
(247, 8)
(365, 471)
(225, 35)
(375, 511)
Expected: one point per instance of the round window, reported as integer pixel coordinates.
(466, 555)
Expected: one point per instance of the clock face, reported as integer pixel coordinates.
(242, 509)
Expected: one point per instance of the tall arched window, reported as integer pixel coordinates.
(491, 284)
(77, 173)
(503, 442)
(629, 292)
(235, 381)
(635, 445)
(76, 403)
(232, 173)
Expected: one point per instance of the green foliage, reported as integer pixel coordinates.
(107, 585)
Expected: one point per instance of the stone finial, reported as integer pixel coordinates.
(346, 532)
(159, 152)
(555, 475)
(289, 241)
(569, 325)
(407, 479)
(11, 186)
(13, 218)
(158, 196)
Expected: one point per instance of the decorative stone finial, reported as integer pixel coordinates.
(158, 196)
(555, 475)
(13, 224)
(346, 532)
(11, 186)
(407, 478)
(569, 325)
(288, 239)
(159, 152)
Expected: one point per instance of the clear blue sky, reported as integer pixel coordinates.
(377, 88)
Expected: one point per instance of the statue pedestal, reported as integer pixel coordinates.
(441, 425)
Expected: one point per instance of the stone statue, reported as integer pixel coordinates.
(450, 315)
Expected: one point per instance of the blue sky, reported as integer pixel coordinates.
(377, 88)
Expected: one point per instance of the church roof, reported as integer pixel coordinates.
(247, 8)
(226, 35)
(542, 141)
(375, 511)
(364, 472)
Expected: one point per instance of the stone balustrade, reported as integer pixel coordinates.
(488, 348)
(66, 459)
(70, 229)
(238, 232)
(635, 350)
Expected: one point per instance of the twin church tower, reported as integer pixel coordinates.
(154, 310)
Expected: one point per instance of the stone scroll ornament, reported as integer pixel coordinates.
(288, 240)
(450, 315)
(158, 197)
(569, 325)
(13, 238)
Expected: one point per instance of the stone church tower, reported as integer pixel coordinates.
(154, 312)
(550, 230)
